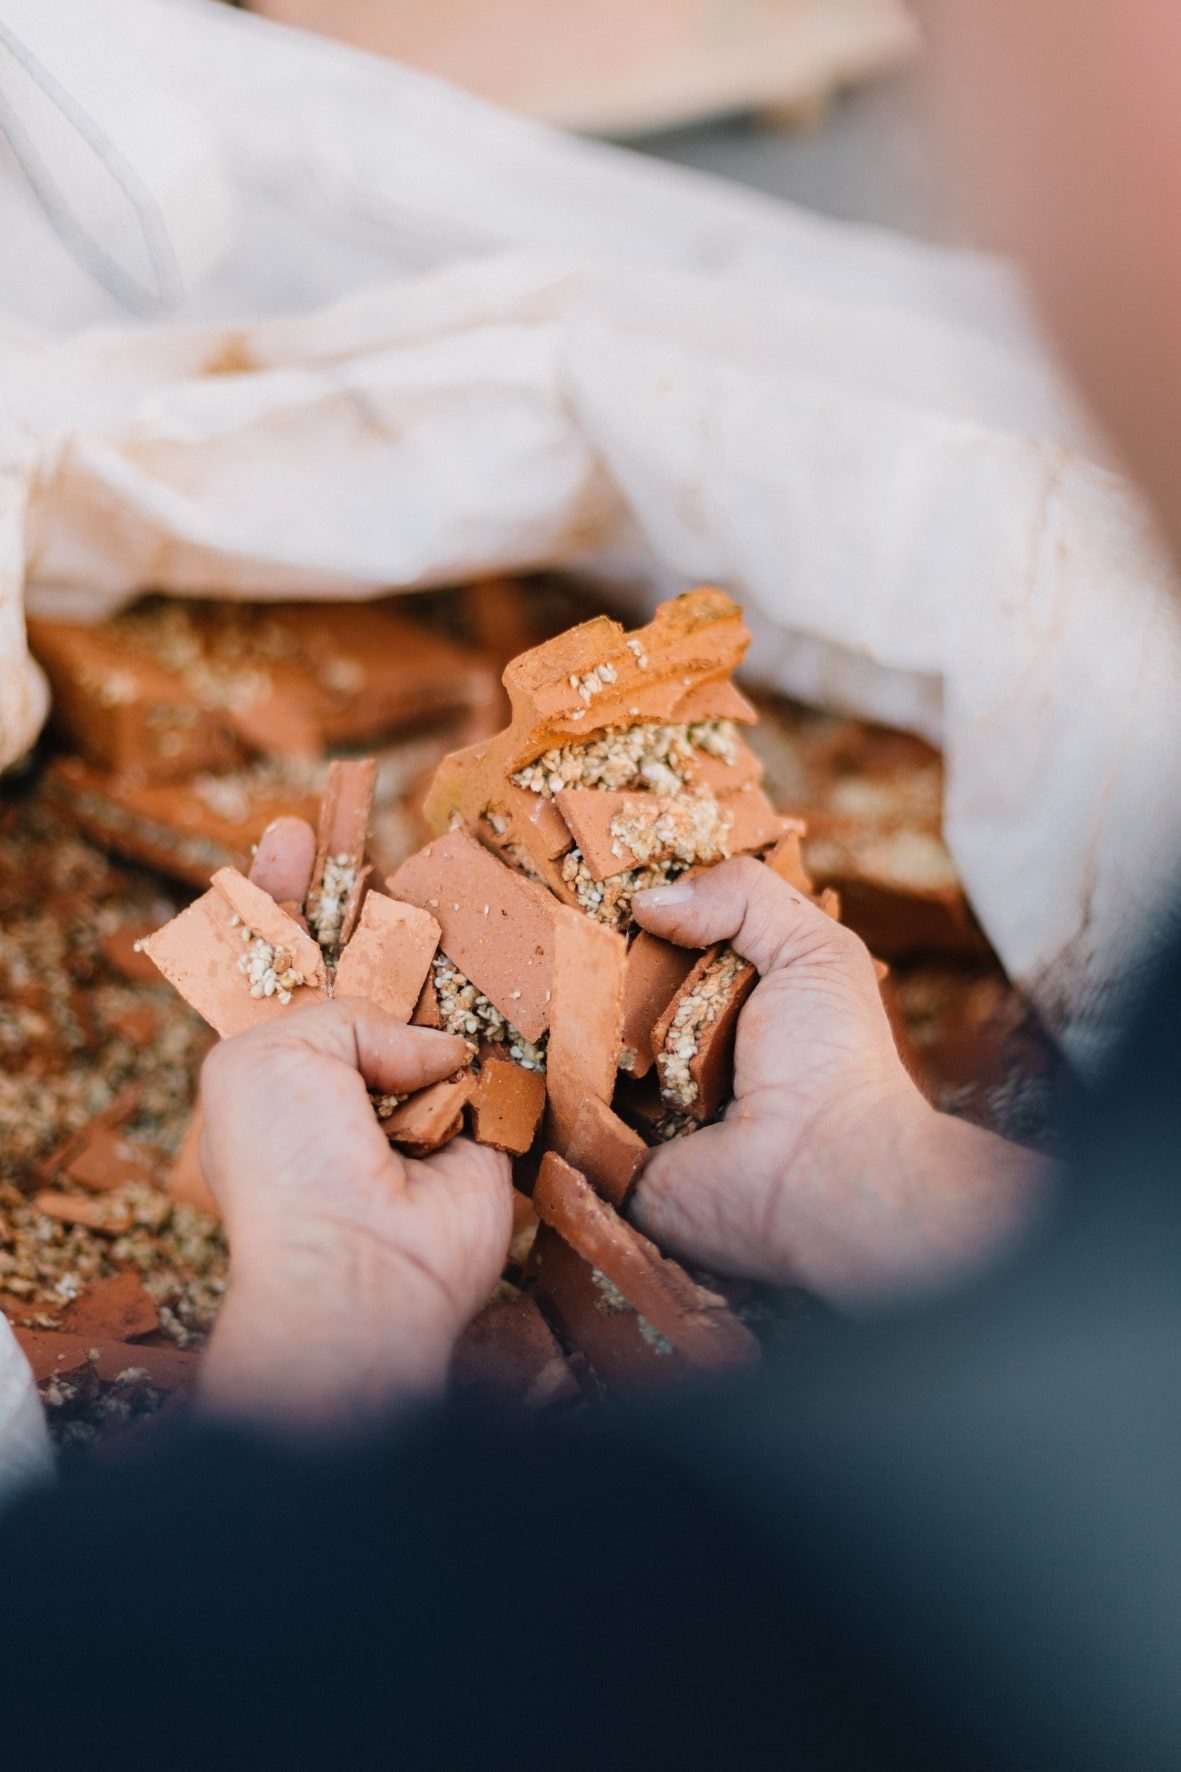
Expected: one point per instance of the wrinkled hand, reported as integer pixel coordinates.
(830, 1168)
(354, 1269)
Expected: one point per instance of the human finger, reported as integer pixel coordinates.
(765, 920)
(284, 859)
(389, 1055)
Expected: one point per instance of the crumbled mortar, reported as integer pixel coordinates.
(646, 756)
(610, 901)
(694, 828)
(269, 971)
(698, 1010)
(467, 1012)
(326, 915)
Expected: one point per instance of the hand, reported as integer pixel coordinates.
(830, 1168)
(354, 1269)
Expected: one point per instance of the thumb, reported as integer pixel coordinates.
(350, 1031)
(678, 1201)
(765, 920)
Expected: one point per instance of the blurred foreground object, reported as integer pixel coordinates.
(619, 67)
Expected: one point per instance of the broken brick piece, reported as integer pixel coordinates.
(140, 1024)
(572, 688)
(696, 1322)
(724, 775)
(339, 875)
(497, 927)
(621, 1347)
(54, 1354)
(694, 1038)
(587, 1017)
(116, 1309)
(607, 1151)
(95, 1212)
(388, 957)
(655, 972)
(186, 829)
(787, 858)
(754, 821)
(605, 824)
(198, 953)
(186, 1179)
(508, 1103)
(432, 1118)
(509, 1354)
(107, 1159)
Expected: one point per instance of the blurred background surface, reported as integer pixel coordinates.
(813, 100)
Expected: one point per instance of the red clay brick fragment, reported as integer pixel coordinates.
(432, 1118)
(607, 1151)
(53, 1354)
(198, 953)
(655, 972)
(509, 1354)
(584, 1041)
(602, 1326)
(507, 1105)
(116, 1309)
(711, 1067)
(108, 1159)
(388, 958)
(497, 926)
(97, 1213)
(186, 1180)
(696, 1322)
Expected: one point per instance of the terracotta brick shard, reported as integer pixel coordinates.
(600, 820)
(584, 681)
(432, 1118)
(587, 1020)
(509, 1354)
(724, 775)
(125, 709)
(497, 926)
(259, 913)
(108, 1159)
(116, 1309)
(198, 953)
(605, 1149)
(787, 858)
(346, 812)
(171, 826)
(622, 1350)
(655, 972)
(507, 1105)
(697, 1323)
(754, 822)
(388, 958)
(96, 1212)
(711, 1064)
(53, 1354)
(186, 1179)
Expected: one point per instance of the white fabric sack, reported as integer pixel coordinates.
(427, 341)
(25, 1456)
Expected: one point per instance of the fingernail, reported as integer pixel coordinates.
(659, 898)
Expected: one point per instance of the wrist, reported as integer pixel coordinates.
(906, 1199)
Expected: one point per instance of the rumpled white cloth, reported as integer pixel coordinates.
(25, 1456)
(409, 339)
